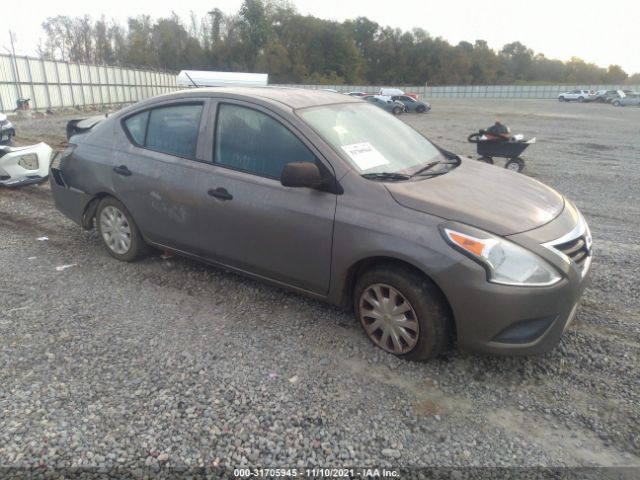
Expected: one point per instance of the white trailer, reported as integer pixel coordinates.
(187, 78)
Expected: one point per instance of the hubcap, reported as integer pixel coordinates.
(513, 166)
(115, 230)
(389, 319)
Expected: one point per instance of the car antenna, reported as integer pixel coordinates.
(194, 83)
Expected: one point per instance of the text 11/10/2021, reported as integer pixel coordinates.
(316, 473)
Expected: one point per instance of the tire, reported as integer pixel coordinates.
(118, 231)
(515, 164)
(581, 99)
(616, 103)
(421, 109)
(427, 321)
(561, 99)
(397, 110)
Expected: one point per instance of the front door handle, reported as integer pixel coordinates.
(220, 193)
(122, 170)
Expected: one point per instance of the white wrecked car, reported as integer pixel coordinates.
(24, 165)
(7, 132)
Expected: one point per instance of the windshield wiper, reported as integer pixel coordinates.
(425, 168)
(386, 176)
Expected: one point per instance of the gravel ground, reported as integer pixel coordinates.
(174, 364)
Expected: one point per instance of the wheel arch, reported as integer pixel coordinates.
(91, 209)
(365, 264)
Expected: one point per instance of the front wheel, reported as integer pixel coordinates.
(118, 231)
(402, 312)
(616, 103)
(421, 109)
(515, 164)
(561, 99)
(581, 99)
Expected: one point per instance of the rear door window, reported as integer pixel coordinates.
(174, 129)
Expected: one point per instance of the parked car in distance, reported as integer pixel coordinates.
(329, 196)
(386, 103)
(391, 92)
(357, 94)
(605, 96)
(577, 95)
(627, 100)
(7, 131)
(411, 104)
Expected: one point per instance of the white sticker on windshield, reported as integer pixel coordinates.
(365, 155)
(340, 130)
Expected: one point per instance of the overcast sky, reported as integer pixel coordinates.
(597, 32)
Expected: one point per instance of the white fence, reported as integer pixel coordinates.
(51, 85)
(476, 91)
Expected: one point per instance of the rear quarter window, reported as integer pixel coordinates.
(137, 127)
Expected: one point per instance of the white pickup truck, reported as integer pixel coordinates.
(579, 95)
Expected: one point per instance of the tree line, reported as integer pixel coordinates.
(272, 37)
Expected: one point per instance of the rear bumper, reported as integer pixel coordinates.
(68, 200)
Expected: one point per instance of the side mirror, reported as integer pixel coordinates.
(301, 174)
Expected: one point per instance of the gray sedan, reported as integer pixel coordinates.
(386, 103)
(329, 196)
(411, 104)
(627, 100)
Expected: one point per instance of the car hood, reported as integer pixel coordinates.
(484, 196)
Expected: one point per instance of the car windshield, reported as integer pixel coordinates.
(370, 139)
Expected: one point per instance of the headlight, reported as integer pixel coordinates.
(506, 262)
(29, 162)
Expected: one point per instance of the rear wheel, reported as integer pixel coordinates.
(581, 99)
(561, 99)
(515, 164)
(118, 231)
(616, 103)
(397, 110)
(402, 312)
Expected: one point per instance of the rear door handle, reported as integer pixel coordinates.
(122, 170)
(220, 193)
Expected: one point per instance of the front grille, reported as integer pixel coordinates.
(576, 249)
(575, 246)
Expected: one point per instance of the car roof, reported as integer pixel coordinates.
(293, 98)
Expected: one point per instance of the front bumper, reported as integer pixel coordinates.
(14, 173)
(516, 320)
